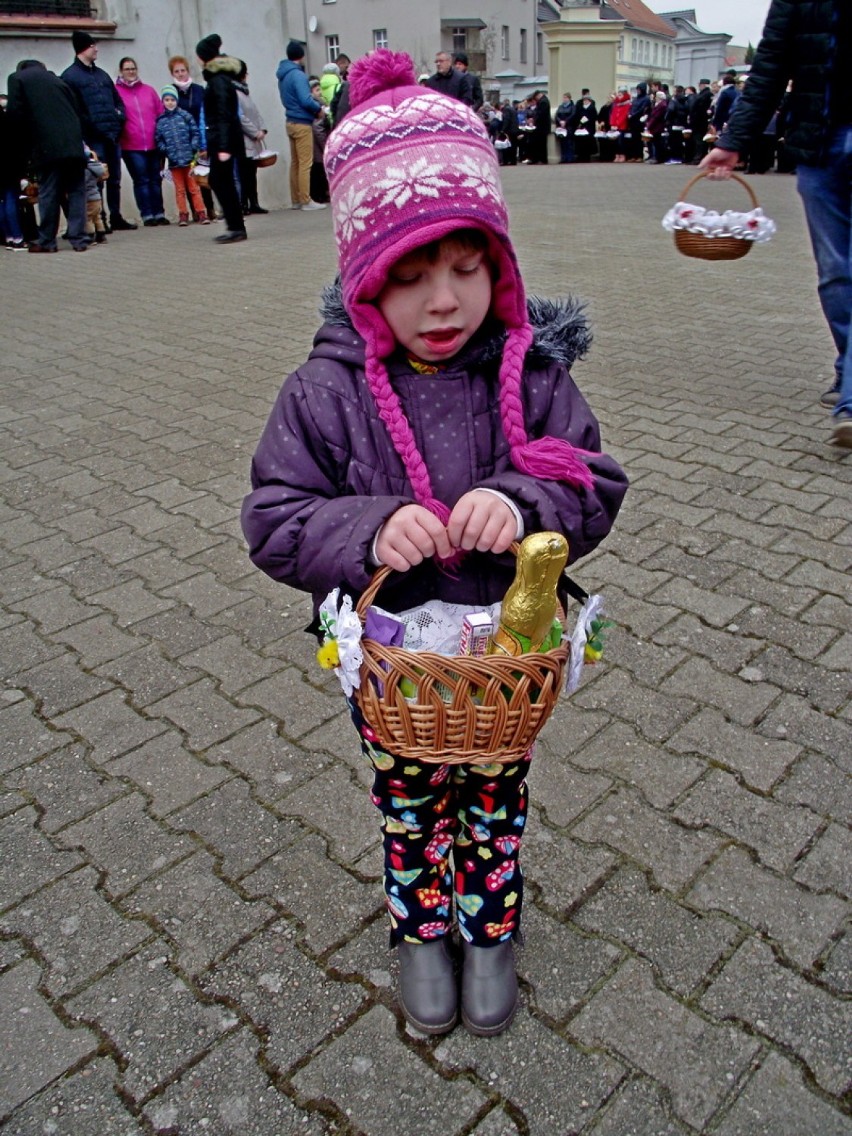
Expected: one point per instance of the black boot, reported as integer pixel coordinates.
(428, 992)
(489, 988)
(121, 224)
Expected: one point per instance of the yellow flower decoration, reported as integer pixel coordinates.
(328, 656)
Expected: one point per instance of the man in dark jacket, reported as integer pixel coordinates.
(448, 81)
(810, 42)
(224, 133)
(699, 119)
(537, 147)
(44, 120)
(103, 115)
(726, 101)
(640, 109)
(460, 64)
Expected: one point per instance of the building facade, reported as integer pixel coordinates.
(698, 54)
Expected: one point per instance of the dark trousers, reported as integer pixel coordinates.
(65, 179)
(144, 169)
(223, 185)
(248, 183)
(110, 152)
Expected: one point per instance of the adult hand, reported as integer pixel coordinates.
(482, 521)
(411, 535)
(719, 164)
(223, 156)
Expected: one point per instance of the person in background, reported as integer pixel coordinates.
(330, 83)
(142, 108)
(537, 150)
(618, 117)
(96, 173)
(11, 173)
(810, 44)
(447, 80)
(321, 127)
(301, 109)
(178, 140)
(224, 133)
(564, 118)
(254, 135)
(460, 63)
(191, 98)
(102, 114)
(45, 123)
(637, 117)
(699, 119)
(677, 120)
(725, 101)
(585, 118)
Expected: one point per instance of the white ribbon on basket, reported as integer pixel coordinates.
(342, 626)
(578, 639)
(751, 226)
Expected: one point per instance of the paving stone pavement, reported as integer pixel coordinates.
(182, 804)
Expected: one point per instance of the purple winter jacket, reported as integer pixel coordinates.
(325, 475)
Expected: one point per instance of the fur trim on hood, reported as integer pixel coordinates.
(225, 63)
(561, 332)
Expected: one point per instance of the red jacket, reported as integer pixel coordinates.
(618, 111)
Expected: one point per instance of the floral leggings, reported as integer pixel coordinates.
(474, 814)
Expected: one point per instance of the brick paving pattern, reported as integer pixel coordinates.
(182, 801)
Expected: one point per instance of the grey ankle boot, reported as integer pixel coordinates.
(489, 988)
(428, 992)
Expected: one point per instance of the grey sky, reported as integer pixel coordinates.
(741, 19)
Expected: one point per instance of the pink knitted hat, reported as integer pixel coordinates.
(408, 166)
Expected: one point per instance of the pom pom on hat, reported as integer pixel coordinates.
(378, 73)
(209, 47)
(169, 92)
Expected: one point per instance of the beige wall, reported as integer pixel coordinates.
(582, 52)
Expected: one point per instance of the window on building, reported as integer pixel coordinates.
(656, 53)
(523, 45)
(647, 51)
(85, 9)
(671, 56)
(539, 49)
(634, 49)
(504, 42)
(332, 48)
(459, 39)
(621, 50)
(380, 37)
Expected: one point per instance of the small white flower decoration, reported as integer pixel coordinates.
(351, 212)
(480, 176)
(342, 627)
(422, 177)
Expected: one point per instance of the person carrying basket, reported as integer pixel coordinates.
(430, 428)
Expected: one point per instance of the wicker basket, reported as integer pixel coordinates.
(201, 174)
(713, 248)
(470, 710)
(266, 158)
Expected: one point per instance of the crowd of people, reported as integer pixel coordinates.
(69, 135)
(652, 123)
(64, 139)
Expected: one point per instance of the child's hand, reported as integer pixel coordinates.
(410, 536)
(482, 521)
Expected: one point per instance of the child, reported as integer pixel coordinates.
(428, 422)
(96, 174)
(177, 136)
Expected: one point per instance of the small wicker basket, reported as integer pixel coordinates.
(266, 158)
(470, 709)
(713, 248)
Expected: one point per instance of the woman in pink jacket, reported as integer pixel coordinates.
(143, 106)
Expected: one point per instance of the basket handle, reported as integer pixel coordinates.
(381, 574)
(736, 177)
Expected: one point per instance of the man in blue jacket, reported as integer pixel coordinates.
(810, 42)
(301, 109)
(102, 113)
